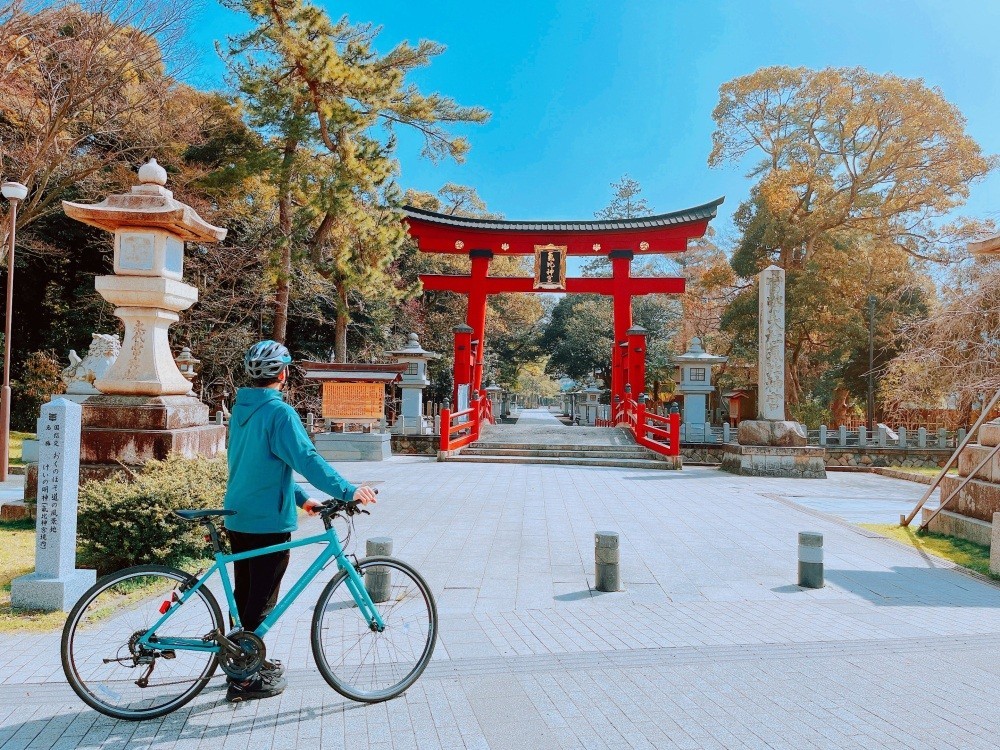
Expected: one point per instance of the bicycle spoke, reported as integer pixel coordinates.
(112, 671)
(371, 665)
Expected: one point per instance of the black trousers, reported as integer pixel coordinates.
(258, 579)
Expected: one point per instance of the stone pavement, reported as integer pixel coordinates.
(539, 426)
(711, 645)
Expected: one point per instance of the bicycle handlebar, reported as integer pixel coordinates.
(332, 508)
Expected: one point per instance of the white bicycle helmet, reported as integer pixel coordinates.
(266, 359)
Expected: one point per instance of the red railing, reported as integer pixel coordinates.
(457, 432)
(660, 434)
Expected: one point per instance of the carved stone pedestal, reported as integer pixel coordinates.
(805, 462)
(124, 432)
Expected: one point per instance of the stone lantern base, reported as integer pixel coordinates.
(121, 433)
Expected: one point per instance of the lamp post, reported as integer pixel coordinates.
(14, 192)
(871, 361)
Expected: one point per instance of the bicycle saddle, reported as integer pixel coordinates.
(194, 515)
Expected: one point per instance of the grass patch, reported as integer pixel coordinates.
(17, 557)
(924, 471)
(959, 551)
(16, 443)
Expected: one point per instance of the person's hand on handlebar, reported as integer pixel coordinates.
(364, 495)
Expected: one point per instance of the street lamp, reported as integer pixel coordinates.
(14, 192)
(871, 361)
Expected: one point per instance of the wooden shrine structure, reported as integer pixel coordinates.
(551, 242)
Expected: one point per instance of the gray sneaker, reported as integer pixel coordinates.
(257, 687)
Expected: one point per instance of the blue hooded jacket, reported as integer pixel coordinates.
(266, 442)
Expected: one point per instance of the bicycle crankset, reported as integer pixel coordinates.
(246, 658)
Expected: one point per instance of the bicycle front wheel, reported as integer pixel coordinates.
(114, 674)
(364, 664)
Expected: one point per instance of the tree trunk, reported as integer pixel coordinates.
(279, 328)
(340, 338)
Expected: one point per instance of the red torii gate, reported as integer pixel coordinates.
(551, 242)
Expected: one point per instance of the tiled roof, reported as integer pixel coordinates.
(687, 215)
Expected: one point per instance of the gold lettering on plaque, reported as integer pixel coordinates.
(550, 267)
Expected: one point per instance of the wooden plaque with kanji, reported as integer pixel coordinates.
(353, 400)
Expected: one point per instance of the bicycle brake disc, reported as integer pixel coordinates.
(249, 661)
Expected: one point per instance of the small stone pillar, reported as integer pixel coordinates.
(810, 560)
(414, 380)
(378, 581)
(607, 571)
(56, 583)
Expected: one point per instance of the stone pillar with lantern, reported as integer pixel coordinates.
(145, 408)
(414, 380)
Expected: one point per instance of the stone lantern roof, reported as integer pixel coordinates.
(696, 355)
(413, 349)
(148, 206)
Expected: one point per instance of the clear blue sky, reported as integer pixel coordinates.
(584, 91)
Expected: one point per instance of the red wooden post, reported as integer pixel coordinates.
(621, 295)
(675, 433)
(445, 429)
(476, 317)
(463, 361)
(637, 360)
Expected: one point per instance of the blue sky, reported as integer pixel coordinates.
(582, 92)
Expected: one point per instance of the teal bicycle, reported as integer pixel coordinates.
(144, 641)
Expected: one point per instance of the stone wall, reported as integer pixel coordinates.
(933, 458)
(415, 445)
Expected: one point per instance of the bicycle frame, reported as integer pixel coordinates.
(333, 551)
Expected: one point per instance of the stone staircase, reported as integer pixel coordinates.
(622, 456)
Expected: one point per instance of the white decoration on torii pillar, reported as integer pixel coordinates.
(771, 345)
(150, 229)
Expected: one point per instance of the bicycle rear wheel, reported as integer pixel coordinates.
(363, 664)
(105, 664)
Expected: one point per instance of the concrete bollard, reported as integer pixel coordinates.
(378, 581)
(810, 560)
(607, 571)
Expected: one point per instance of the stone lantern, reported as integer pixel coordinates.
(591, 403)
(493, 392)
(150, 229)
(186, 363)
(143, 409)
(411, 417)
(695, 385)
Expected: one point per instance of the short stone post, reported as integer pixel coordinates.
(822, 434)
(607, 572)
(310, 422)
(883, 436)
(921, 437)
(220, 418)
(862, 436)
(959, 436)
(56, 583)
(995, 546)
(942, 437)
(810, 560)
(904, 439)
(378, 581)
(725, 432)
(842, 435)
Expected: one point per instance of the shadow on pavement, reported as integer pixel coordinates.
(913, 587)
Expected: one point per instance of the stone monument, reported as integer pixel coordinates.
(56, 583)
(772, 445)
(411, 419)
(143, 409)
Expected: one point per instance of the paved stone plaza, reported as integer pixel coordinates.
(711, 645)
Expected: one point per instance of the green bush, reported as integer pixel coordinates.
(123, 523)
